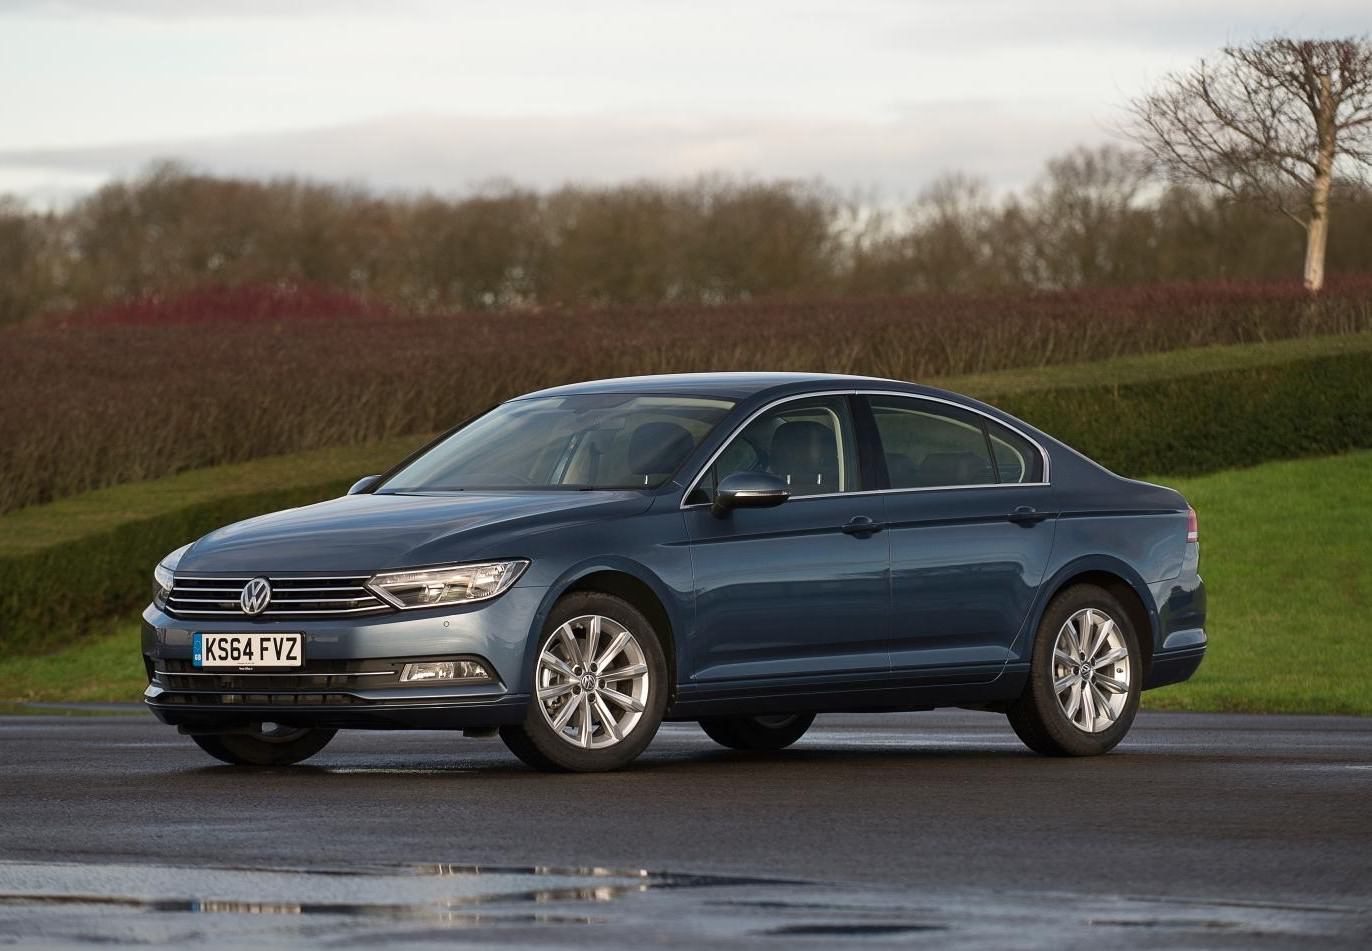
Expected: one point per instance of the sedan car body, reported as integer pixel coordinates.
(763, 546)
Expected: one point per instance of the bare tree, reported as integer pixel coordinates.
(1273, 121)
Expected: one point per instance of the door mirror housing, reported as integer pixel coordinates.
(363, 484)
(749, 490)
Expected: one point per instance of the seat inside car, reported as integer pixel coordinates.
(658, 448)
(954, 468)
(805, 454)
(902, 470)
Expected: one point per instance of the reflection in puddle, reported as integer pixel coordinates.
(353, 910)
(849, 931)
(434, 892)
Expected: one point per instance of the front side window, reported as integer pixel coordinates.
(808, 443)
(584, 441)
(928, 445)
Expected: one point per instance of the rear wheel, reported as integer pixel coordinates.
(600, 687)
(270, 744)
(757, 734)
(1084, 678)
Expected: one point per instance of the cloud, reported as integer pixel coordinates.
(452, 154)
(1181, 25)
(205, 9)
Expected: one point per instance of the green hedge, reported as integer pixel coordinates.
(1196, 424)
(56, 594)
(67, 567)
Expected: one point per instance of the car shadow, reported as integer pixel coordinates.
(496, 763)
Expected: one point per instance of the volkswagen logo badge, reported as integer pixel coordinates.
(257, 594)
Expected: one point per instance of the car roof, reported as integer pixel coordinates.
(734, 386)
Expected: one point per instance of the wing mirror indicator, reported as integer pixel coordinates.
(749, 490)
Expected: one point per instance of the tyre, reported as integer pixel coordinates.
(1084, 677)
(599, 687)
(270, 745)
(757, 734)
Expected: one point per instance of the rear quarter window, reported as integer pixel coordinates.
(1017, 459)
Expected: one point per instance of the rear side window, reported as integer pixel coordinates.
(1017, 460)
(928, 445)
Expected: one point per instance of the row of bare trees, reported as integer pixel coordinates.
(1093, 218)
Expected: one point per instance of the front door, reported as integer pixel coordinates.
(797, 594)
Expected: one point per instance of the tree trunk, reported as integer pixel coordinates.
(1317, 232)
(1317, 237)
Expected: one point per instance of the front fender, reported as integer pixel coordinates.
(675, 602)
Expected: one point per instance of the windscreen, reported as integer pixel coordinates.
(587, 441)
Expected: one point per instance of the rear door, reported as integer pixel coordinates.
(970, 525)
(797, 593)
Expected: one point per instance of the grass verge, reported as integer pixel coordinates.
(1176, 364)
(105, 667)
(1285, 553)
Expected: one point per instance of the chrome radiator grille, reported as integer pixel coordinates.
(314, 597)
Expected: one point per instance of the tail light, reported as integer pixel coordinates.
(1192, 526)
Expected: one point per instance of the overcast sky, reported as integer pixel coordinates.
(869, 94)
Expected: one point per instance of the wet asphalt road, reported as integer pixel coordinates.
(932, 829)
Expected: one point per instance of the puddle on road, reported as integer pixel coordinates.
(195, 906)
(434, 893)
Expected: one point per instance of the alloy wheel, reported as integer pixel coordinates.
(592, 681)
(1092, 670)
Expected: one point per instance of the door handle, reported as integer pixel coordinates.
(862, 525)
(1026, 515)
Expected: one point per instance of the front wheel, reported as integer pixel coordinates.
(599, 688)
(1084, 677)
(757, 734)
(268, 744)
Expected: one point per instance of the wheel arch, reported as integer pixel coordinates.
(1123, 583)
(624, 579)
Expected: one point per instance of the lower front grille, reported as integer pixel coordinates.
(312, 597)
(319, 683)
(180, 674)
(261, 699)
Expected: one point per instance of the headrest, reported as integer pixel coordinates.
(803, 446)
(658, 448)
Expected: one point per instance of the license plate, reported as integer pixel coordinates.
(247, 650)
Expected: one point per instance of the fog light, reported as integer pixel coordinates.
(445, 670)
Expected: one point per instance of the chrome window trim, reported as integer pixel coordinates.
(714, 456)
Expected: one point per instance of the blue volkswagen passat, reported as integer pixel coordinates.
(745, 550)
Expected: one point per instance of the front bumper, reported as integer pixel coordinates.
(350, 676)
(445, 712)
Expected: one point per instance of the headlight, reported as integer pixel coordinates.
(457, 584)
(162, 576)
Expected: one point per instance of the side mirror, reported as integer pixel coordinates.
(749, 490)
(363, 484)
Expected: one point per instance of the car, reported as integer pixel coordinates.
(743, 550)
